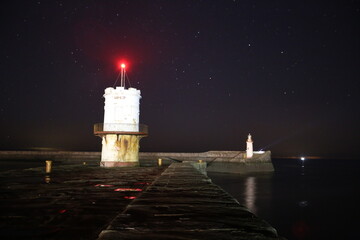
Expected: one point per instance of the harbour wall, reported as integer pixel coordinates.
(183, 203)
(216, 161)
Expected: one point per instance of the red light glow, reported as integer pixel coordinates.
(122, 64)
(128, 190)
(129, 197)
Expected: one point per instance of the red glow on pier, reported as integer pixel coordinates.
(128, 190)
(130, 197)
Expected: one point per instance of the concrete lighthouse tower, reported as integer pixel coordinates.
(121, 131)
(249, 147)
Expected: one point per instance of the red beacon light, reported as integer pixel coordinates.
(122, 66)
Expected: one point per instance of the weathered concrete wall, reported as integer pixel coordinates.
(120, 149)
(144, 155)
(52, 155)
(217, 161)
(257, 163)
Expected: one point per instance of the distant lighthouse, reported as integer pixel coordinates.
(249, 147)
(121, 131)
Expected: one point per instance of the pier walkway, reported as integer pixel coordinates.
(182, 203)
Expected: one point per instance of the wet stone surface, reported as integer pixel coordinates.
(73, 202)
(184, 204)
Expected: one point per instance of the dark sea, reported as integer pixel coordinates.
(314, 199)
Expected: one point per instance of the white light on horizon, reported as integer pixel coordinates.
(302, 158)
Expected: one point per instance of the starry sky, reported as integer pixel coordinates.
(210, 72)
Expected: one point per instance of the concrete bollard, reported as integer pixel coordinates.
(159, 161)
(48, 166)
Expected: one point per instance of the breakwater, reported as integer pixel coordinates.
(182, 203)
(216, 161)
(83, 201)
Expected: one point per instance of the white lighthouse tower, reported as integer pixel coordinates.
(121, 131)
(249, 147)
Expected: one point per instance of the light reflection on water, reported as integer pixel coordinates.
(47, 179)
(250, 194)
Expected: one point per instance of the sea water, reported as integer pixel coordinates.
(311, 199)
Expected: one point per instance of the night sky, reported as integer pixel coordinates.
(210, 72)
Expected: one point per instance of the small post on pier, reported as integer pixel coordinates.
(48, 166)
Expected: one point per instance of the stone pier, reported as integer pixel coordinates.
(182, 203)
